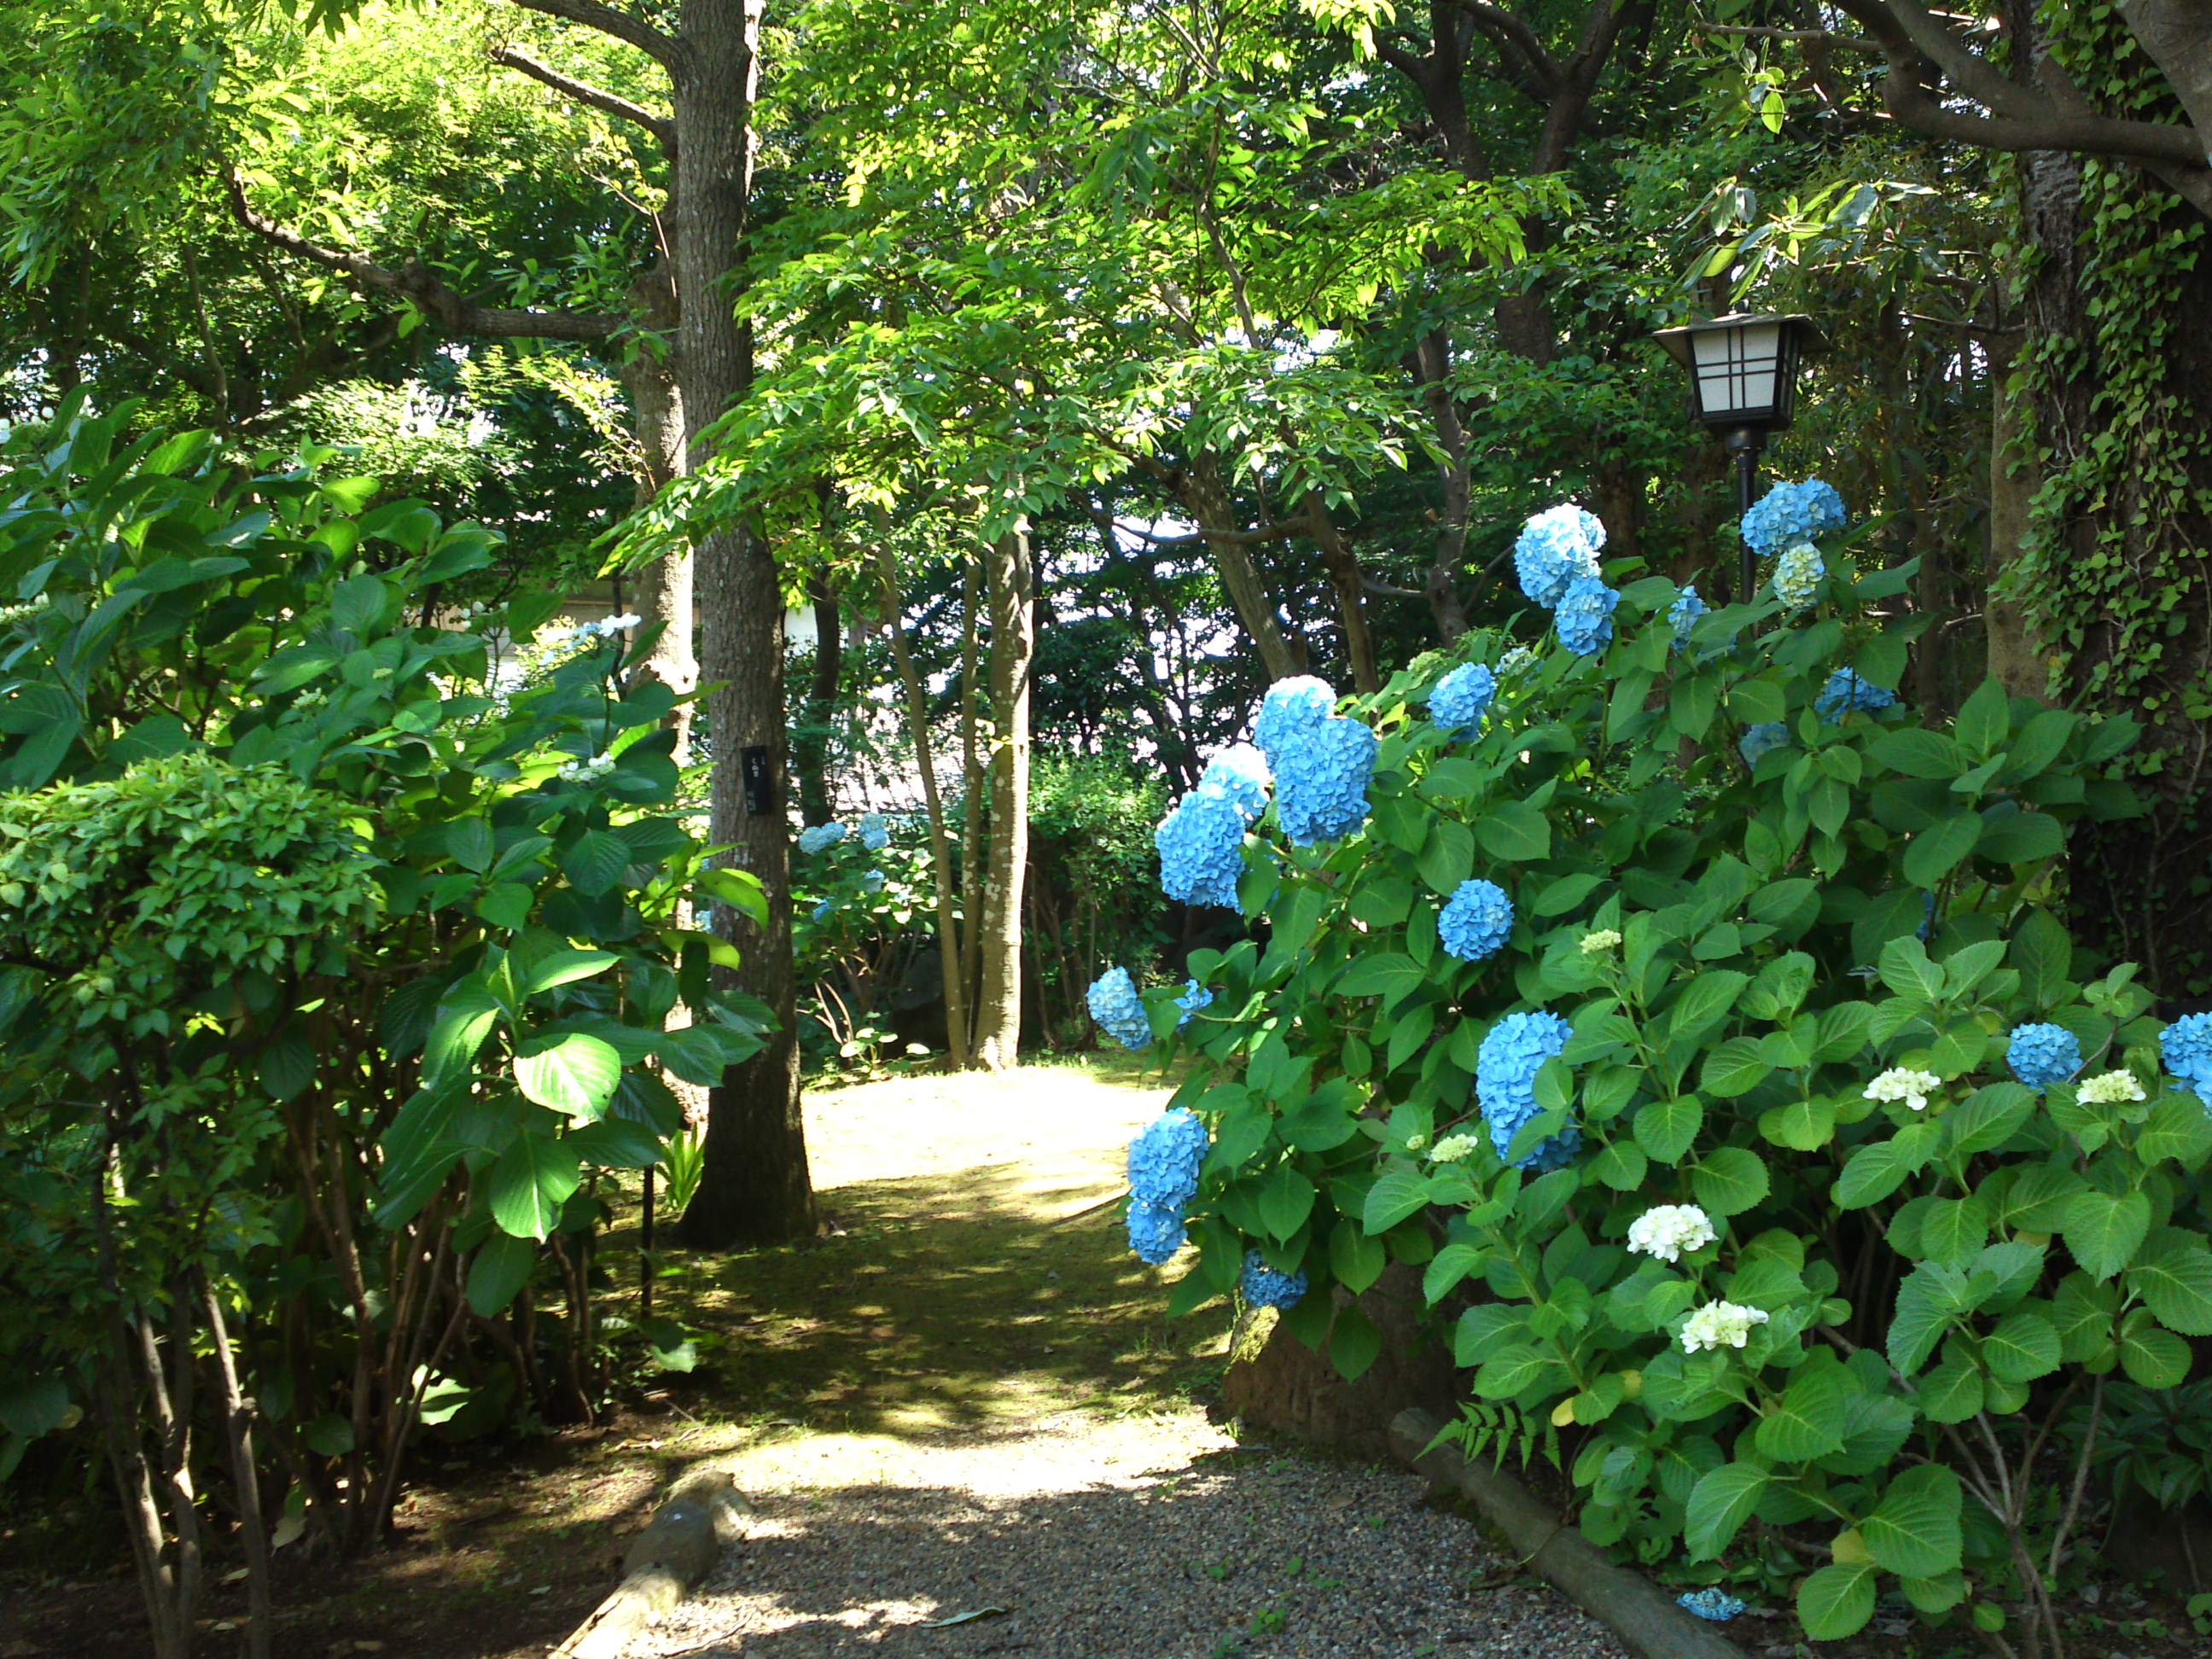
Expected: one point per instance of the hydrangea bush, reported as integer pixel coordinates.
(1752, 1157)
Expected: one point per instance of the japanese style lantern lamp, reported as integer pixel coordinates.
(1743, 385)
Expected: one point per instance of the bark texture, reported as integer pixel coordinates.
(1009, 582)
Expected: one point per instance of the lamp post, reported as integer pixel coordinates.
(1743, 385)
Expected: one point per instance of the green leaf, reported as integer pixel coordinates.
(1918, 753)
(2024, 1346)
(564, 967)
(1729, 1180)
(1985, 721)
(2154, 1357)
(1448, 1268)
(617, 1143)
(469, 842)
(2043, 952)
(1704, 1002)
(1355, 1259)
(1936, 850)
(1353, 1343)
(570, 1072)
(596, 862)
(1620, 1166)
(1286, 1201)
(530, 1182)
(2179, 1128)
(358, 602)
(1810, 1419)
(1914, 1527)
(287, 1065)
(1388, 973)
(1514, 832)
(1873, 1172)
(1447, 859)
(1721, 1502)
(1906, 969)
(2021, 837)
(1399, 1192)
(2104, 1232)
(464, 1019)
(1836, 1601)
(1951, 1393)
(33, 1406)
(501, 1268)
(1666, 1128)
(1736, 1068)
(2173, 1276)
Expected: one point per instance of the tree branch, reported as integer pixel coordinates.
(1500, 24)
(1267, 533)
(421, 286)
(583, 92)
(663, 49)
(1853, 42)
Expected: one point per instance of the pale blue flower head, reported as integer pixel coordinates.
(1792, 513)
(1155, 1234)
(1585, 616)
(2185, 1046)
(1194, 997)
(1517, 661)
(1457, 703)
(1846, 692)
(1118, 1010)
(1797, 575)
(1321, 782)
(821, 911)
(2043, 1054)
(1240, 772)
(1476, 921)
(1554, 548)
(1201, 845)
(1712, 1602)
(1762, 739)
(1164, 1159)
(818, 837)
(875, 832)
(872, 882)
(1265, 1287)
(1682, 615)
(1291, 709)
(1505, 1068)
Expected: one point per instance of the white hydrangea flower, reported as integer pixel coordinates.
(1415, 1142)
(1670, 1231)
(2111, 1088)
(12, 614)
(584, 771)
(1898, 1083)
(1599, 940)
(1719, 1324)
(1452, 1148)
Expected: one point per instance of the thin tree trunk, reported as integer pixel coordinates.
(940, 837)
(1343, 567)
(1204, 493)
(999, 1017)
(664, 597)
(2015, 662)
(754, 1187)
(811, 760)
(1430, 363)
(971, 797)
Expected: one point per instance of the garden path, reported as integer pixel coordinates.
(968, 1401)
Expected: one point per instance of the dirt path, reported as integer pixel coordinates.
(985, 1413)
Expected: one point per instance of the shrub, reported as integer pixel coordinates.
(1798, 1314)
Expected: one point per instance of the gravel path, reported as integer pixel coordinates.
(1147, 1539)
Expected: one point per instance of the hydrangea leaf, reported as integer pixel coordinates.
(1286, 1201)
(1937, 850)
(529, 1183)
(1914, 1527)
(1666, 1128)
(1721, 1502)
(1836, 1601)
(1514, 832)
(1812, 1414)
(1730, 1180)
(2024, 1346)
(2104, 1231)
(2173, 1276)
(2154, 1358)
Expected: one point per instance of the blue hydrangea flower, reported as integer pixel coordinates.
(875, 832)
(1155, 1234)
(1264, 1287)
(1554, 548)
(1846, 691)
(1320, 781)
(1712, 1602)
(1460, 697)
(1119, 1013)
(1239, 772)
(1164, 1159)
(1926, 930)
(2040, 1055)
(1291, 709)
(1194, 997)
(1201, 848)
(816, 838)
(1791, 512)
(1476, 921)
(1682, 615)
(1761, 740)
(1517, 661)
(2185, 1046)
(821, 910)
(872, 882)
(1585, 616)
(1506, 1067)
(1797, 575)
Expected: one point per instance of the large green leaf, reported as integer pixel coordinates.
(1399, 1192)
(1936, 850)
(1810, 1420)
(501, 1268)
(570, 1072)
(2104, 1232)
(1872, 1174)
(596, 862)
(1836, 1601)
(464, 1019)
(2024, 1346)
(1514, 832)
(564, 967)
(1720, 1503)
(1729, 1180)
(1389, 974)
(530, 1182)
(2173, 1276)
(2152, 1357)
(1914, 1529)
(2021, 837)
(1665, 1128)
(1919, 753)
(1286, 1201)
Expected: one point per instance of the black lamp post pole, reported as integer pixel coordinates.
(1745, 442)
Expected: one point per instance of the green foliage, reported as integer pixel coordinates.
(1734, 948)
(335, 977)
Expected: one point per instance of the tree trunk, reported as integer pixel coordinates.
(1008, 579)
(1430, 366)
(664, 587)
(1343, 567)
(2015, 662)
(1201, 486)
(811, 741)
(755, 1187)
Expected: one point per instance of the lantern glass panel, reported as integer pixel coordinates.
(1738, 371)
